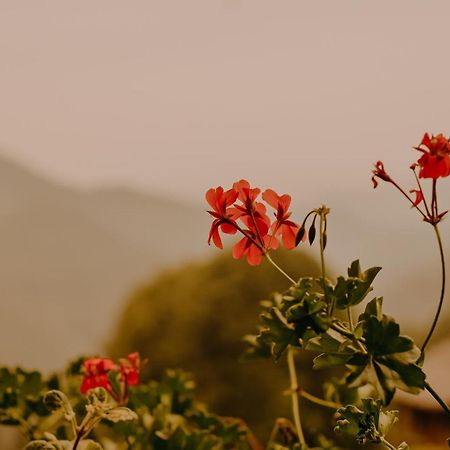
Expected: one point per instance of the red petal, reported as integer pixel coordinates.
(271, 197)
(426, 140)
(240, 248)
(419, 196)
(228, 228)
(288, 236)
(254, 256)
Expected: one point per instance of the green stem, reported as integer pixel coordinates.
(322, 257)
(350, 318)
(441, 299)
(294, 396)
(438, 398)
(319, 401)
(279, 268)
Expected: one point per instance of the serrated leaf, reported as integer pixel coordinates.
(120, 414)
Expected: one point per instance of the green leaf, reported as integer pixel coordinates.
(368, 424)
(353, 290)
(280, 332)
(40, 445)
(120, 414)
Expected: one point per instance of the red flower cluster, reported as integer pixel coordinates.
(96, 371)
(435, 161)
(237, 209)
(99, 372)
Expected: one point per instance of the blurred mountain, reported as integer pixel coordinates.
(68, 257)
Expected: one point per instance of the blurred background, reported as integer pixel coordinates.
(116, 117)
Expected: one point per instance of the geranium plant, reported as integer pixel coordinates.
(375, 358)
(101, 403)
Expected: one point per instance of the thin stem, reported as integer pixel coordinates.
(350, 318)
(438, 398)
(319, 401)
(434, 200)
(77, 440)
(322, 257)
(441, 299)
(261, 240)
(294, 396)
(423, 195)
(279, 268)
(410, 200)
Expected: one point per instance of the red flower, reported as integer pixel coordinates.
(283, 225)
(221, 201)
(130, 369)
(379, 172)
(435, 161)
(96, 371)
(251, 245)
(256, 211)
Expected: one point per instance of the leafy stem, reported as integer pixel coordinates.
(441, 299)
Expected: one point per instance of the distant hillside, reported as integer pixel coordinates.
(68, 257)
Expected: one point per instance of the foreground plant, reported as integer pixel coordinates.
(159, 415)
(374, 358)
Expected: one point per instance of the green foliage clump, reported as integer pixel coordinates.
(195, 317)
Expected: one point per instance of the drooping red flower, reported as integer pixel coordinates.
(435, 161)
(221, 201)
(254, 244)
(130, 369)
(282, 226)
(379, 172)
(96, 371)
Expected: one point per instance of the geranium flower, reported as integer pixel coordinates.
(96, 371)
(287, 228)
(435, 161)
(130, 369)
(221, 201)
(256, 211)
(251, 246)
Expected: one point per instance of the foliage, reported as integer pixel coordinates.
(160, 415)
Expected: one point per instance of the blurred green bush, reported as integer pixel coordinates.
(194, 317)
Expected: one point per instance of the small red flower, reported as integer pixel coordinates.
(379, 172)
(435, 161)
(96, 371)
(221, 201)
(247, 245)
(282, 225)
(130, 369)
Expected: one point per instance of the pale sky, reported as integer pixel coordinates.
(177, 96)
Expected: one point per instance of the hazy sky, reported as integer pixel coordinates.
(180, 95)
